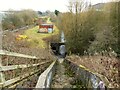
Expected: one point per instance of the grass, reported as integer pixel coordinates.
(36, 39)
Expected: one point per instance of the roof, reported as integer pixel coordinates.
(46, 24)
(44, 17)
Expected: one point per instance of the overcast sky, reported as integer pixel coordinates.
(38, 5)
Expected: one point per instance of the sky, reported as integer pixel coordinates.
(39, 5)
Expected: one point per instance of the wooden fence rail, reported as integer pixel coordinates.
(17, 79)
(4, 52)
(13, 67)
(13, 81)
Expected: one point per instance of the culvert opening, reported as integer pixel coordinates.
(58, 49)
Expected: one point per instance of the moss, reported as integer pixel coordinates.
(78, 84)
(68, 71)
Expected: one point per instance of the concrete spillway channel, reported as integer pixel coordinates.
(65, 74)
(56, 76)
(61, 78)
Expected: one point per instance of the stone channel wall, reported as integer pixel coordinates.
(46, 77)
(88, 78)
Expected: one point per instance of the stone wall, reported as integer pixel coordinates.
(88, 78)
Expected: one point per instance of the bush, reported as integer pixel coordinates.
(90, 30)
(17, 19)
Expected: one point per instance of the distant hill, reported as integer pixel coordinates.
(1, 15)
(98, 6)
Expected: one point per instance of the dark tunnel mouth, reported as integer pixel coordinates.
(55, 48)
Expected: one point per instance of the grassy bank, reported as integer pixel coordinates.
(36, 39)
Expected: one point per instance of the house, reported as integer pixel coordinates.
(45, 28)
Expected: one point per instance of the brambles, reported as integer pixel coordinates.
(107, 66)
